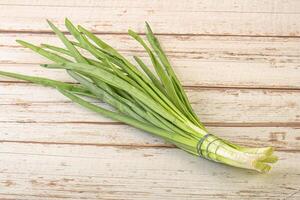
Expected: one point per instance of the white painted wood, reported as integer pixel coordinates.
(29, 103)
(198, 60)
(242, 78)
(42, 171)
(188, 17)
(275, 6)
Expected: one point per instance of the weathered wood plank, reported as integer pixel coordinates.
(198, 60)
(62, 171)
(275, 18)
(52, 149)
(275, 6)
(282, 138)
(29, 103)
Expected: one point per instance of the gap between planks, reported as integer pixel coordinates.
(45, 32)
(191, 87)
(207, 124)
(124, 146)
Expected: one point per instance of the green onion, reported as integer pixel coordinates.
(154, 102)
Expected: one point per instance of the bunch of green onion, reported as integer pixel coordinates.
(153, 102)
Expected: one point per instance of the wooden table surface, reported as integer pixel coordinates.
(238, 60)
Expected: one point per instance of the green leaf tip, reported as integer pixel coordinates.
(26, 44)
(67, 20)
(50, 24)
(132, 33)
(148, 27)
(19, 41)
(68, 23)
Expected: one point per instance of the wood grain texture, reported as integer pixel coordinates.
(68, 172)
(238, 60)
(272, 18)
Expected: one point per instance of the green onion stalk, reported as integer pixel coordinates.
(151, 100)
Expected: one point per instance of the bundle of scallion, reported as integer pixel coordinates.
(155, 103)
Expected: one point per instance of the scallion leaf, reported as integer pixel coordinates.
(156, 103)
